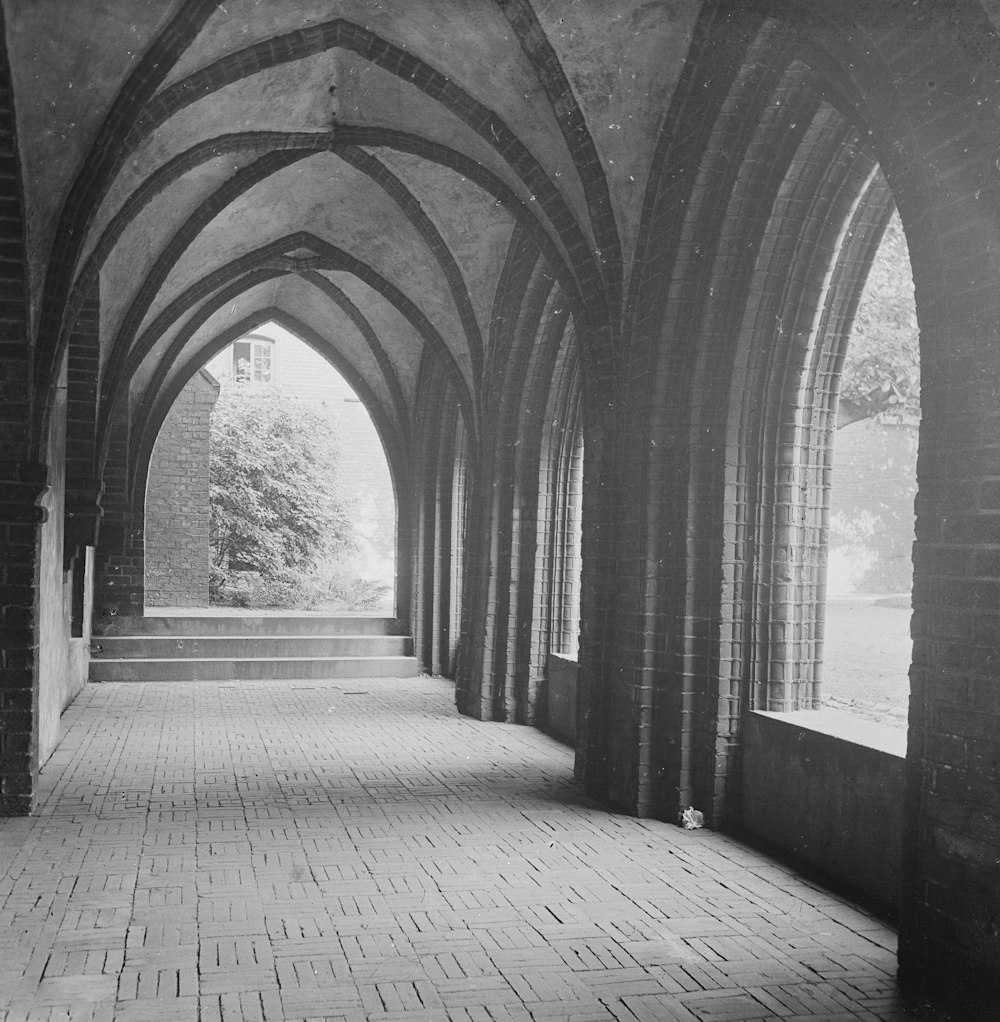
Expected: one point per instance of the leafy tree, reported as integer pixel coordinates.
(275, 511)
(882, 369)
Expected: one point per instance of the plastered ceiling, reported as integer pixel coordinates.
(202, 162)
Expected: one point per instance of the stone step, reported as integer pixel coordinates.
(251, 668)
(248, 647)
(251, 623)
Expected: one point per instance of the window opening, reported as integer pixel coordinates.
(567, 549)
(867, 646)
(253, 360)
(459, 511)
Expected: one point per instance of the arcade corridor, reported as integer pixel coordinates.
(594, 269)
(355, 850)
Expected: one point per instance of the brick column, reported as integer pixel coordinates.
(21, 486)
(118, 564)
(950, 915)
(610, 724)
(83, 490)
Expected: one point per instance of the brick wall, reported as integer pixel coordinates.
(62, 668)
(118, 583)
(22, 482)
(708, 467)
(177, 501)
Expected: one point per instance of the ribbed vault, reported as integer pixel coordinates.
(203, 144)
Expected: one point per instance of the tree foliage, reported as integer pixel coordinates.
(875, 469)
(274, 504)
(882, 369)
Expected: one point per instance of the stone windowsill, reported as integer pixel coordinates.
(847, 726)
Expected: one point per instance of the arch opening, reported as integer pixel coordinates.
(835, 596)
(831, 341)
(269, 487)
(867, 645)
(559, 557)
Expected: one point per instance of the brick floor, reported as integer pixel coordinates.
(356, 850)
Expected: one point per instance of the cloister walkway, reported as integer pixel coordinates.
(357, 850)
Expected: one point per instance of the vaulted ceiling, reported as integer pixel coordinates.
(359, 168)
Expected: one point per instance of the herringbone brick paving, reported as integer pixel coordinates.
(356, 850)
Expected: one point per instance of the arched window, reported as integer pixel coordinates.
(459, 515)
(867, 645)
(567, 543)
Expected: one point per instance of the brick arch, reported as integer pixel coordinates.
(395, 447)
(328, 257)
(909, 94)
(784, 414)
(275, 159)
(406, 201)
(679, 351)
(573, 125)
(762, 645)
(941, 167)
(520, 262)
(348, 140)
(107, 155)
(668, 465)
(763, 639)
(155, 408)
(175, 247)
(346, 137)
(340, 33)
(273, 254)
(238, 287)
(121, 547)
(204, 152)
(778, 114)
